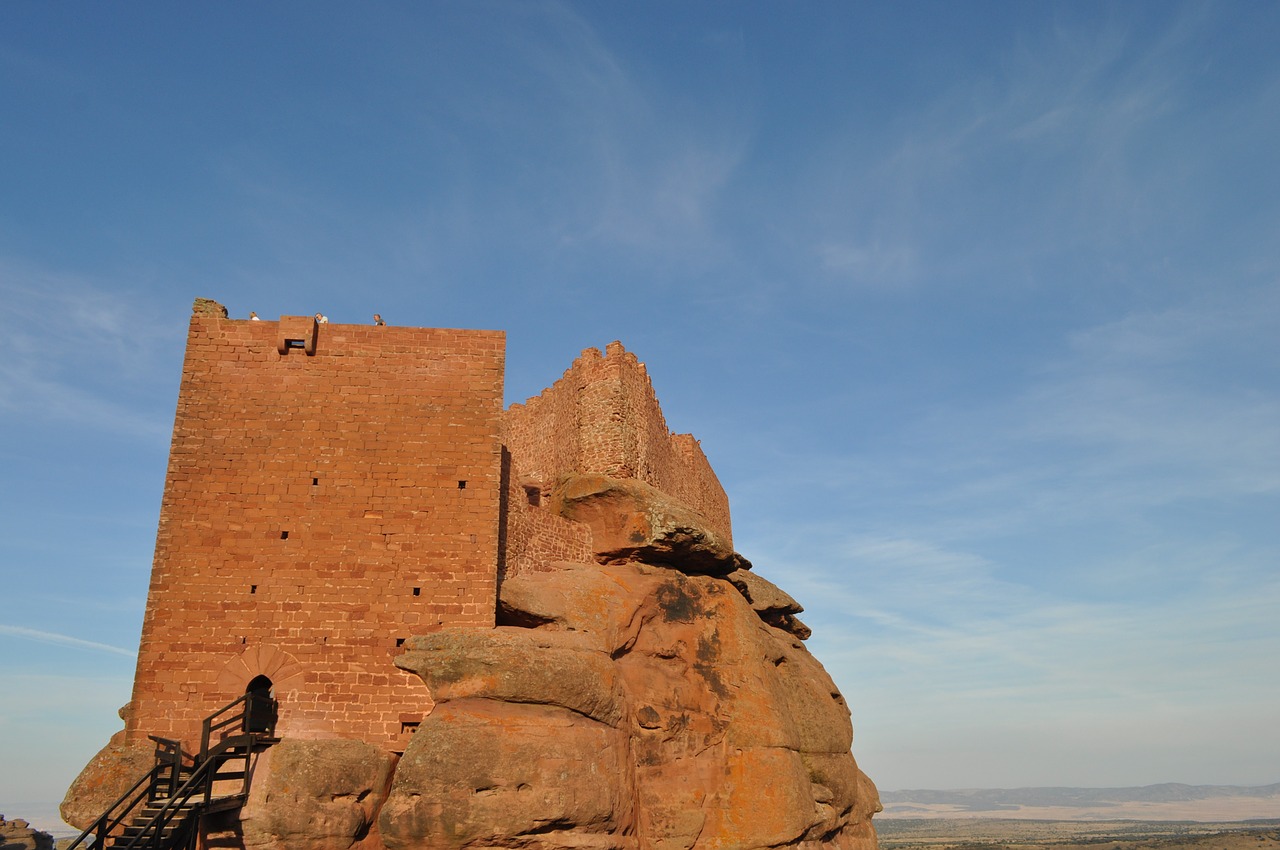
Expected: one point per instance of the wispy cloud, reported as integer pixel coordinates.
(1058, 159)
(61, 640)
(73, 348)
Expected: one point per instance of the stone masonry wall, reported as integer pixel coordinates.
(603, 417)
(533, 537)
(319, 509)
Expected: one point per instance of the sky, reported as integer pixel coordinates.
(975, 309)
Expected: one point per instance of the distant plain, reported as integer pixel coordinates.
(1164, 802)
(1029, 834)
(1152, 817)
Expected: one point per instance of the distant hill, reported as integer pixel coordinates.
(1170, 800)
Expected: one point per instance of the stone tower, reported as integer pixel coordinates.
(331, 490)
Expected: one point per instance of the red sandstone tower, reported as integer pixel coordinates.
(333, 489)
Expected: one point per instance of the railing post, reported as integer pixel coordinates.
(175, 770)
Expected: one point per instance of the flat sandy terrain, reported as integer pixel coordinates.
(1213, 809)
(1025, 834)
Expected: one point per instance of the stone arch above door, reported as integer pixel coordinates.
(284, 671)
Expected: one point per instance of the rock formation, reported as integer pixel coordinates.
(628, 706)
(17, 834)
(586, 663)
(620, 703)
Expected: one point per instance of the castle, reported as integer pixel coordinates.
(333, 490)
(481, 627)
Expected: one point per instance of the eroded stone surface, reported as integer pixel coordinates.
(18, 834)
(106, 777)
(622, 706)
(774, 605)
(316, 795)
(629, 682)
(481, 773)
(517, 666)
(632, 521)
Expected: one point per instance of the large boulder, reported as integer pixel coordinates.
(106, 778)
(315, 795)
(633, 706)
(633, 521)
(483, 773)
(517, 666)
(774, 605)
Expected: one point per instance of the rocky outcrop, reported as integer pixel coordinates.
(315, 795)
(632, 706)
(108, 775)
(771, 602)
(657, 698)
(17, 834)
(632, 521)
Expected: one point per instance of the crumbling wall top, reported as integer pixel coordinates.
(602, 416)
(208, 307)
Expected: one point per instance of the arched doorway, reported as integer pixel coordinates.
(260, 705)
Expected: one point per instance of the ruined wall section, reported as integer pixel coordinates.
(534, 538)
(319, 509)
(602, 416)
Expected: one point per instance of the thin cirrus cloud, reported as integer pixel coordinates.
(1066, 152)
(59, 639)
(52, 320)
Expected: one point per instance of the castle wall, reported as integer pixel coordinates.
(603, 417)
(533, 537)
(319, 508)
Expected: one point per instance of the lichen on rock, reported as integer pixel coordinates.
(638, 707)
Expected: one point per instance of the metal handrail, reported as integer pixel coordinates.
(170, 761)
(200, 781)
(106, 823)
(252, 702)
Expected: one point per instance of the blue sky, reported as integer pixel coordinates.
(974, 307)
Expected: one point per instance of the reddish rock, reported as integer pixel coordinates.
(517, 666)
(632, 521)
(622, 706)
(316, 795)
(628, 682)
(771, 602)
(766, 598)
(106, 777)
(601, 604)
(480, 773)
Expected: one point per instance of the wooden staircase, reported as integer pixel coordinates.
(163, 808)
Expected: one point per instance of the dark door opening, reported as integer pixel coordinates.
(260, 706)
